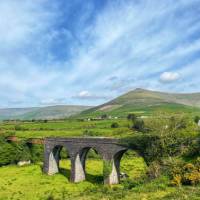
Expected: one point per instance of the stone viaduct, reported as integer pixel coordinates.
(110, 150)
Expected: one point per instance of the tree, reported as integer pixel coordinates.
(196, 119)
(104, 116)
(132, 117)
(139, 125)
(114, 125)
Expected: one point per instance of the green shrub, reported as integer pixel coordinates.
(93, 154)
(104, 116)
(194, 148)
(37, 152)
(138, 125)
(18, 128)
(196, 119)
(23, 151)
(132, 117)
(129, 184)
(188, 174)
(8, 153)
(64, 154)
(154, 170)
(11, 153)
(114, 125)
(89, 133)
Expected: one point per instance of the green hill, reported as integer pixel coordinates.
(140, 101)
(50, 112)
(146, 101)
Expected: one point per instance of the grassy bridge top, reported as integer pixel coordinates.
(101, 140)
(83, 139)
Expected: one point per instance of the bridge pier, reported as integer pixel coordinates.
(51, 161)
(77, 169)
(114, 176)
(114, 161)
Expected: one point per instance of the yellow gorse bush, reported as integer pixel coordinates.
(189, 174)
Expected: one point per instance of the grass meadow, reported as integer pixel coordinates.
(29, 183)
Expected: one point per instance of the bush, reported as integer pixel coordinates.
(177, 180)
(196, 119)
(64, 154)
(129, 184)
(154, 170)
(89, 133)
(104, 116)
(11, 153)
(132, 117)
(139, 125)
(8, 153)
(93, 154)
(194, 148)
(164, 137)
(114, 125)
(188, 174)
(37, 152)
(18, 127)
(23, 151)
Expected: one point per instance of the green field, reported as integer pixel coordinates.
(66, 128)
(29, 182)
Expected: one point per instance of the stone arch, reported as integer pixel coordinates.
(54, 158)
(111, 150)
(65, 162)
(78, 171)
(85, 157)
(133, 156)
(114, 176)
(85, 150)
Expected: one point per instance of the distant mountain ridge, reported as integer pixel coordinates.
(142, 99)
(50, 112)
(141, 95)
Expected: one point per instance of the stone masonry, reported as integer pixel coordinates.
(109, 149)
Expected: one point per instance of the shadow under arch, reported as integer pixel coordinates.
(92, 162)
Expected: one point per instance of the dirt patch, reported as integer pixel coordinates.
(109, 107)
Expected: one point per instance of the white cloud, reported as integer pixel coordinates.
(23, 21)
(168, 77)
(126, 44)
(143, 37)
(53, 101)
(86, 95)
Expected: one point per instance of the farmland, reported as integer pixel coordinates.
(28, 182)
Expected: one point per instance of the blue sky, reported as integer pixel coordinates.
(88, 52)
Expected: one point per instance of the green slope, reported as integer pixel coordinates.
(144, 102)
(50, 112)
